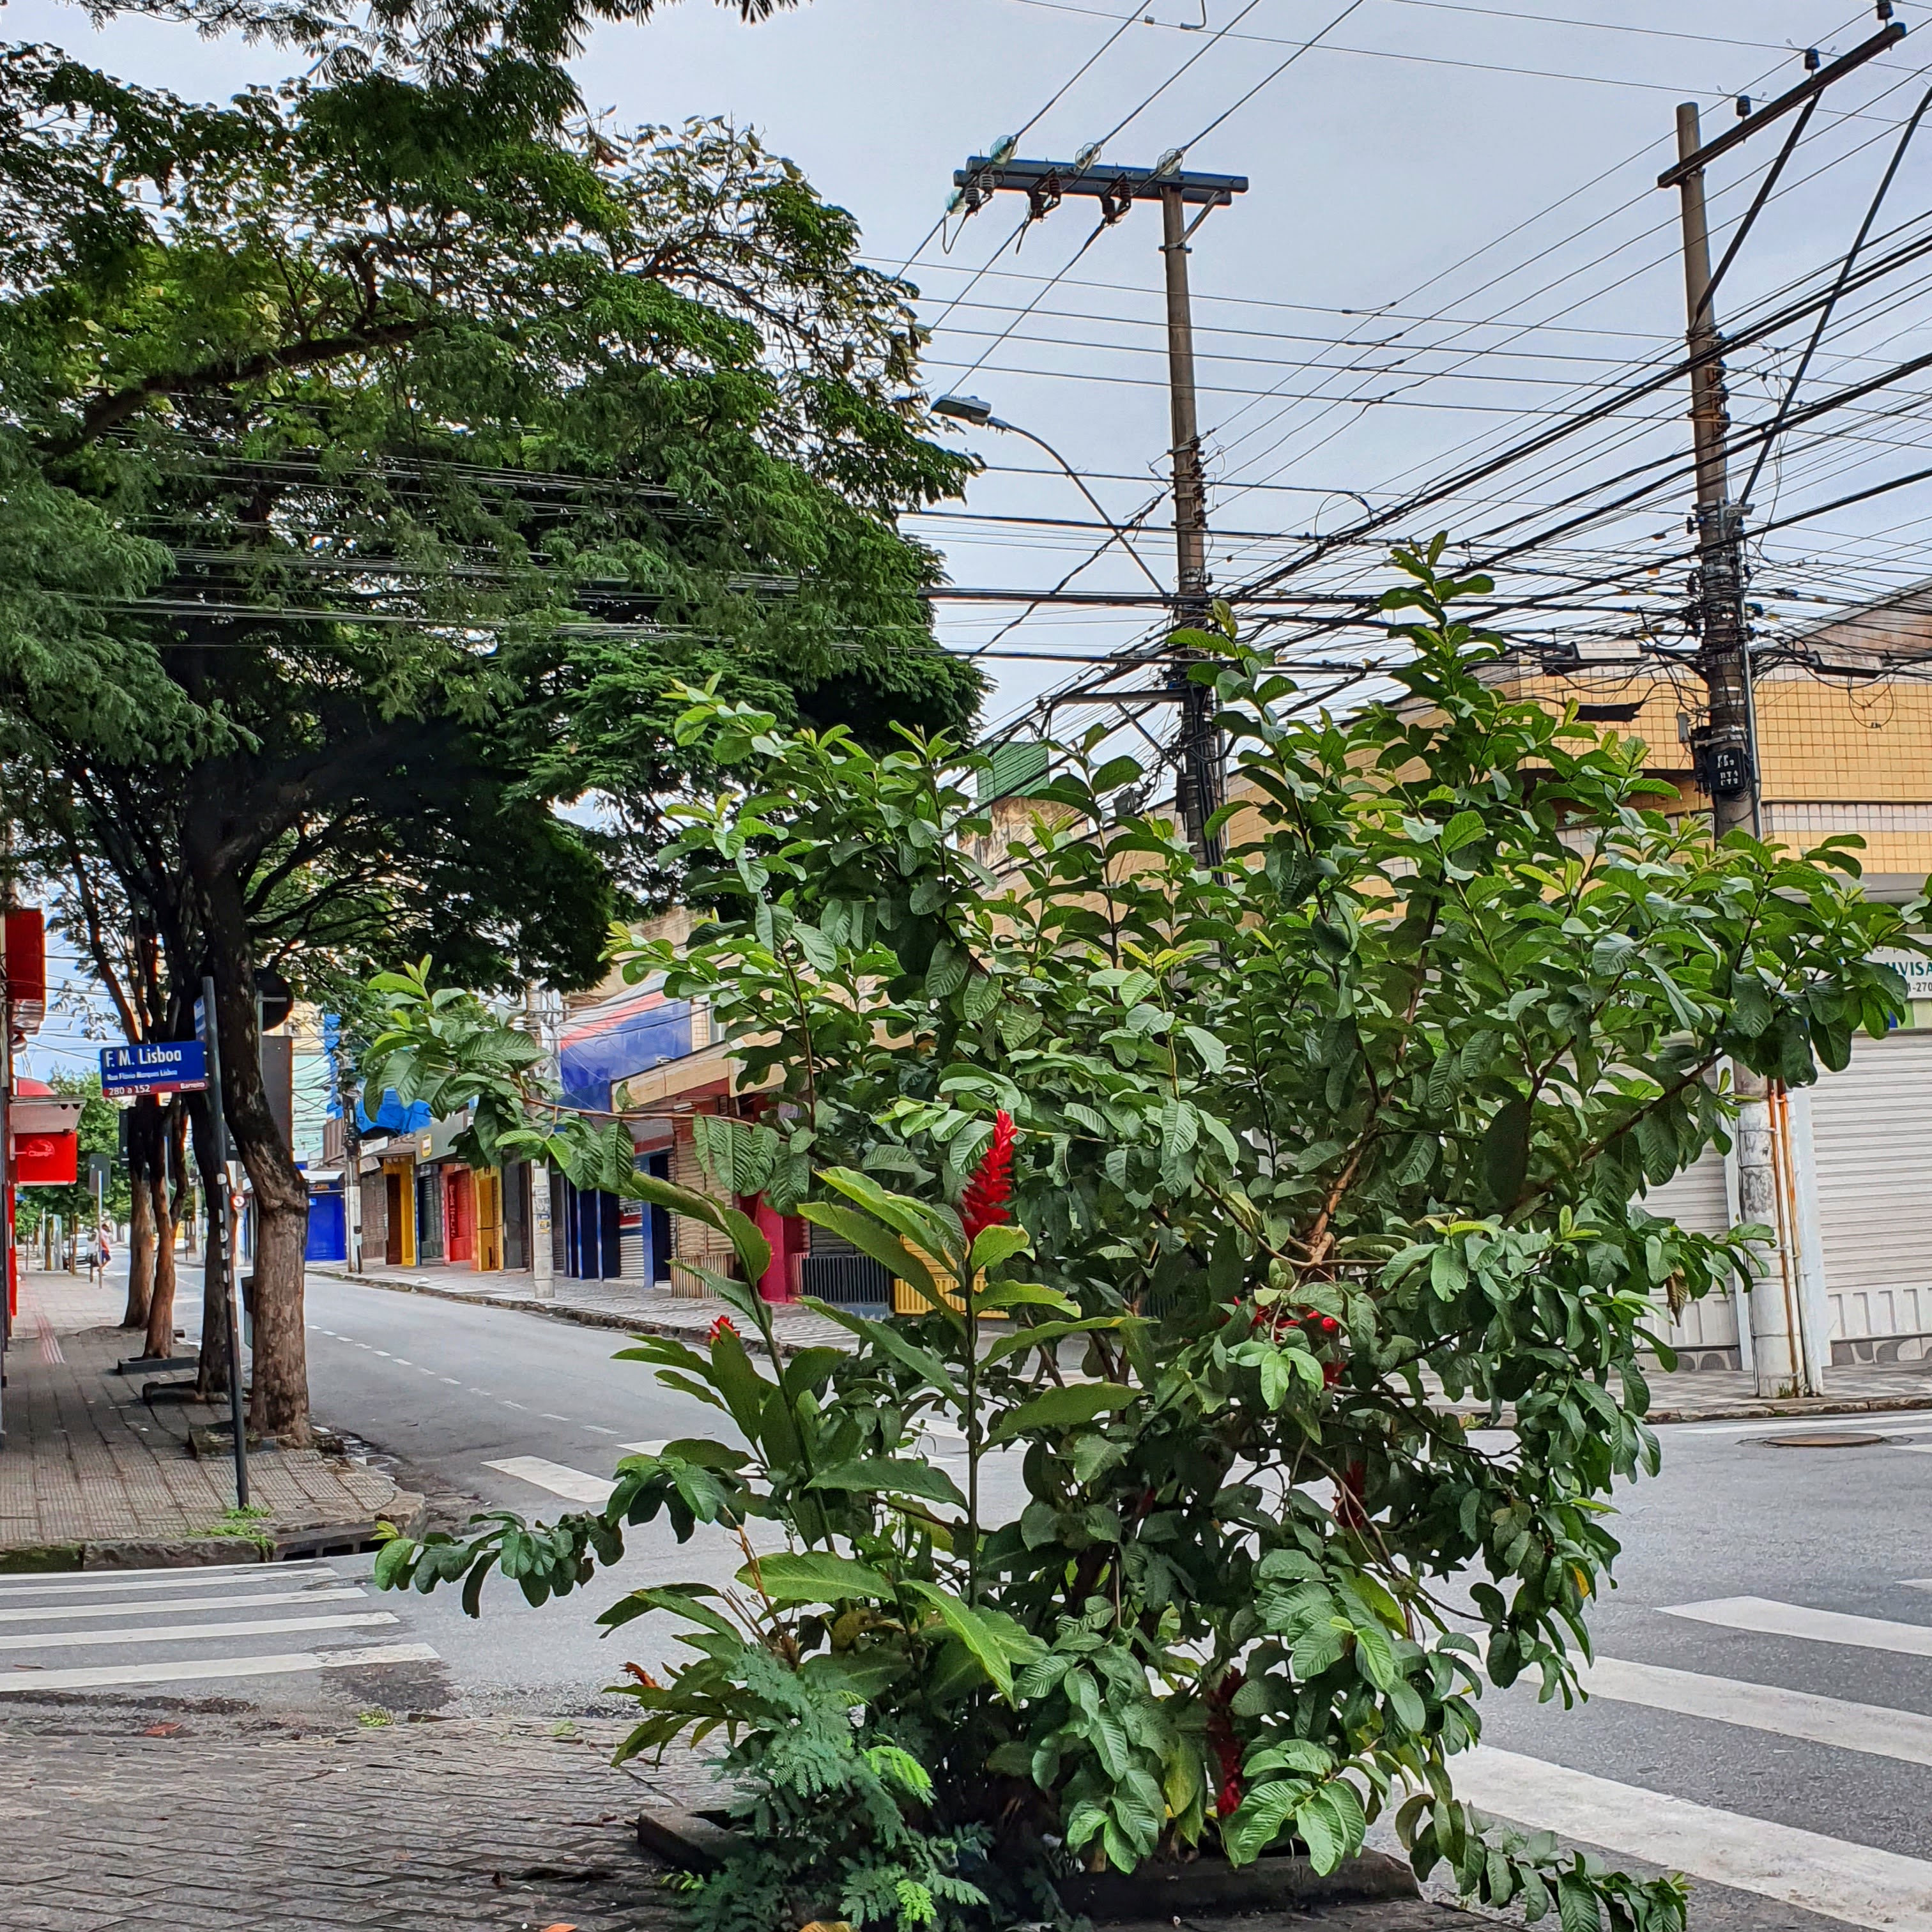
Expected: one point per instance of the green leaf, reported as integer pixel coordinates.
(992, 1246)
(888, 1476)
(883, 1335)
(1045, 1334)
(995, 1640)
(813, 1577)
(680, 1599)
(890, 1250)
(1064, 1408)
(1506, 1151)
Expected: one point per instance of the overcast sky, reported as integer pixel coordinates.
(1452, 223)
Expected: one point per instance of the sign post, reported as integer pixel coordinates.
(220, 1231)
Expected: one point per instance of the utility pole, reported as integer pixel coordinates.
(1724, 746)
(1045, 184)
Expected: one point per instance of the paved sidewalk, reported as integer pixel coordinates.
(183, 1816)
(92, 1475)
(627, 1305)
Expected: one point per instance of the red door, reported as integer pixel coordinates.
(459, 1216)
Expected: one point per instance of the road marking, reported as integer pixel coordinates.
(548, 1418)
(1835, 1877)
(558, 1478)
(177, 1632)
(1870, 1728)
(91, 1677)
(223, 1573)
(1770, 1619)
(1917, 1448)
(452, 1381)
(595, 1430)
(402, 1361)
(509, 1404)
(36, 1611)
(644, 1448)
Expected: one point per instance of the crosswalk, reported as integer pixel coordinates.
(1854, 1879)
(98, 1631)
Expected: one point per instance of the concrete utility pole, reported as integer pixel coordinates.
(1045, 184)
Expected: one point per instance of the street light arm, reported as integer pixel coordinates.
(1119, 535)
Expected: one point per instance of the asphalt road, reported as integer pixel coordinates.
(1763, 1709)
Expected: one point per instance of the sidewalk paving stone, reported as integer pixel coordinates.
(91, 1475)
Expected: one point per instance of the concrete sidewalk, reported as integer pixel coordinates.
(94, 1476)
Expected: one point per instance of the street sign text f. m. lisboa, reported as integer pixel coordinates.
(154, 1067)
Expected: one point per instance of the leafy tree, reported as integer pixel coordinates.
(1364, 1116)
(390, 455)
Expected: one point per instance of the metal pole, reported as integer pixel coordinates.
(221, 1242)
(1201, 787)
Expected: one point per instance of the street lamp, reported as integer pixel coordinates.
(979, 414)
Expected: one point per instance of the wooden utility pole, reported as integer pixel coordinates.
(1045, 184)
(1202, 785)
(1724, 745)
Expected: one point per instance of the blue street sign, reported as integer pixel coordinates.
(154, 1067)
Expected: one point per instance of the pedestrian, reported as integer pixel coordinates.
(103, 1247)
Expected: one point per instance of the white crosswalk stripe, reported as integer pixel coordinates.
(577, 1485)
(84, 1614)
(1844, 1878)
(1766, 1618)
(1860, 1884)
(190, 1669)
(1870, 1728)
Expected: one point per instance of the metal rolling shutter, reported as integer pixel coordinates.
(1871, 1128)
(1697, 1199)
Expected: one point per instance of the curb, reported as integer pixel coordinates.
(407, 1513)
(1796, 1406)
(557, 1311)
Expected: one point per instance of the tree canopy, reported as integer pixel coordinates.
(383, 455)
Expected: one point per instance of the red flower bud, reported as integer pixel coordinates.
(1229, 1800)
(724, 1325)
(983, 1205)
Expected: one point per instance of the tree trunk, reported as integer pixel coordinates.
(278, 1401)
(161, 1307)
(140, 1216)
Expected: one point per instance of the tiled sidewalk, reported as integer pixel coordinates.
(89, 1469)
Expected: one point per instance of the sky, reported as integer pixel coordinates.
(1452, 235)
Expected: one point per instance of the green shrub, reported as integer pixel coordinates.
(1364, 1115)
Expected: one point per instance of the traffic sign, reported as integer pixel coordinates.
(154, 1067)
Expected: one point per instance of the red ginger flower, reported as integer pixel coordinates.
(724, 1325)
(984, 1203)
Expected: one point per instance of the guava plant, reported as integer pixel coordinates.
(1214, 1184)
